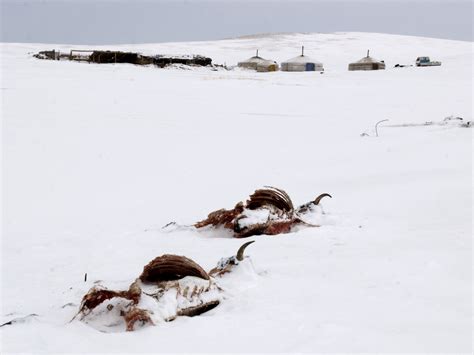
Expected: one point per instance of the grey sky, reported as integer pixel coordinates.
(139, 21)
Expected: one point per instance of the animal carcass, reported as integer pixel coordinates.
(169, 286)
(267, 211)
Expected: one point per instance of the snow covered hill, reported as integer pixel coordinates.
(97, 158)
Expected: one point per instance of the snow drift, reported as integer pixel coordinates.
(98, 157)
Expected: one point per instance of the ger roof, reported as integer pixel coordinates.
(258, 60)
(368, 60)
(254, 59)
(302, 59)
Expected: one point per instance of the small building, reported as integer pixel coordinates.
(367, 63)
(259, 64)
(302, 63)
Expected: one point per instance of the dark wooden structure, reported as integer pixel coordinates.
(109, 57)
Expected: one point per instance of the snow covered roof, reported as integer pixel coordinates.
(301, 59)
(257, 59)
(368, 59)
(254, 59)
(259, 64)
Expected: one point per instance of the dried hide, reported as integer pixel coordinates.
(268, 211)
(169, 286)
(222, 217)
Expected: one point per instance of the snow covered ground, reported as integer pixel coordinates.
(97, 158)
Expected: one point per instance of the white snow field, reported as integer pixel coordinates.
(97, 158)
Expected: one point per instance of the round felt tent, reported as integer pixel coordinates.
(259, 64)
(302, 63)
(367, 63)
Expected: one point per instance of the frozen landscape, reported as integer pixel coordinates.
(98, 157)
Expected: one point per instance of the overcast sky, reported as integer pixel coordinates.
(139, 21)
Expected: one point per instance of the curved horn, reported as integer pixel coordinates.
(240, 252)
(316, 201)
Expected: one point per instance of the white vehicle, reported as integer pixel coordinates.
(426, 62)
